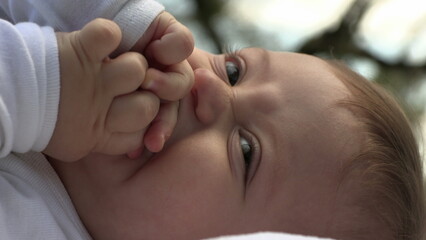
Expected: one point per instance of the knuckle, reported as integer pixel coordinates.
(185, 80)
(108, 29)
(142, 60)
(151, 105)
(138, 60)
(181, 87)
(187, 42)
(136, 66)
(189, 75)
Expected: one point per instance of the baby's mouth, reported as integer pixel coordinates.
(146, 156)
(186, 112)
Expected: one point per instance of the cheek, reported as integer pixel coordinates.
(191, 170)
(189, 184)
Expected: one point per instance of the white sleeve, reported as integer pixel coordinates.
(133, 16)
(29, 86)
(268, 236)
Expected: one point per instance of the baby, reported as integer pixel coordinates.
(265, 141)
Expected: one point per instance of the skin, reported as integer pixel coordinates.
(197, 186)
(110, 103)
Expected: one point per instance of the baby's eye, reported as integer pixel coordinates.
(232, 71)
(250, 155)
(247, 151)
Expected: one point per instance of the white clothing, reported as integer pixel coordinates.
(33, 202)
(29, 86)
(268, 236)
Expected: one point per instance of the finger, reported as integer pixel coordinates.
(162, 127)
(122, 143)
(132, 112)
(171, 85)
(99, 38)
(135, 153)
(125, 73)
(173, 47)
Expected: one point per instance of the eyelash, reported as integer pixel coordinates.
(253, 150)
(233, 63)
(231, 51)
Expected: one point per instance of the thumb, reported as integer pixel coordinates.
(99, 38)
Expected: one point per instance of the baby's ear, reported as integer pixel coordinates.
(99, 38)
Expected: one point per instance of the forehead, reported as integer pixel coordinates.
(291, 70)
(306, 135)
(293, 78)
(293, 89)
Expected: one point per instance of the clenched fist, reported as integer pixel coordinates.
(102, 107)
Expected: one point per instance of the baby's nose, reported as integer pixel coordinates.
(211, 94)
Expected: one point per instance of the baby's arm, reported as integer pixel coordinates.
(29, 92)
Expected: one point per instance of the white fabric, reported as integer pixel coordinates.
(29, 86)
(268, 236)
(142, 12)
(34, 203)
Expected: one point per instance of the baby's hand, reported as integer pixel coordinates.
(166, 44)
(100, 108)
(166, 41)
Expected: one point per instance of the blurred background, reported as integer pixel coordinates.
(384, 40)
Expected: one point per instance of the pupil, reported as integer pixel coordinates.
(246, 153)
(233, 73)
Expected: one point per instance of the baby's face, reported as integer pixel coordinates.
(260, 153)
